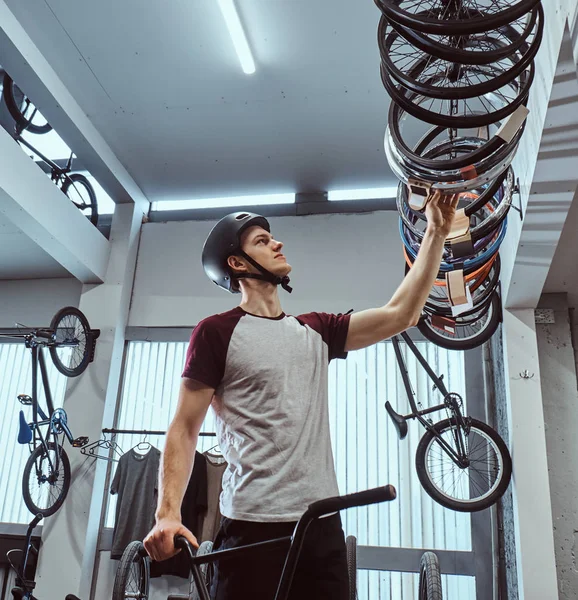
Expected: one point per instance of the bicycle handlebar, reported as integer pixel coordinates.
(324, 507)
(337, 503)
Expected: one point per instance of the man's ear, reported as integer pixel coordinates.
(236, 263)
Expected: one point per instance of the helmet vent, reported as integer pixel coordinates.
(241, 216)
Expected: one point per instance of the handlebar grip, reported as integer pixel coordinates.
(373, 496)
(36, 520)
(183, 543)
(142, 551)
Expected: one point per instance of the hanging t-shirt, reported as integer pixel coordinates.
(271, 405)
(216, 466)
(135, 482)
(193, 508)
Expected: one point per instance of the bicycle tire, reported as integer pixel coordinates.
(464, 505)
(399, 96)
(395, 12)
(74, 179)
(430, 579)
(497, 75)
(351, 549)
(132, 559)
(84, 342)
(447, 50)
(14, 109)
(492, 311)
(206, 571)
(477, 231)
(39, 453)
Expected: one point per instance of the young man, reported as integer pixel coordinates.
(265, 374)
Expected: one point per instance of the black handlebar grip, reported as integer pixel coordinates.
(142, 551)
(183, 543)
(36, 520)
(373, 496)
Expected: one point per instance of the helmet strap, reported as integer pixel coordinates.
(265, 276)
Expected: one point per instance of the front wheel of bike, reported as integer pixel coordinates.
(430, 579)
(469, 488)
(72, 341)
(133, 574)
(43, 487)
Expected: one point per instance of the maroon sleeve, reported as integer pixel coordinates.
(205, 360)
(332, 328)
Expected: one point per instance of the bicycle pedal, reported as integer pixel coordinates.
(80, 442)
(25, 399)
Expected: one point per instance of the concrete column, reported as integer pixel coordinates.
(70, 536)
(560, 399)
(535, 556)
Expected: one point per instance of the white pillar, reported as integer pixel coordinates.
(533, 525)
(69, 538)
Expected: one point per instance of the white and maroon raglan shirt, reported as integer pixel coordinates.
(271, 406)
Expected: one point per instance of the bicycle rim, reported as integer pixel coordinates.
(46, 488)
(472, 484)
(71, 338)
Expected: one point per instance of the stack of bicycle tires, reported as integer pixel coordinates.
(459, 74)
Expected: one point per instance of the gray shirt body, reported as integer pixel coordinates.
(270, 380)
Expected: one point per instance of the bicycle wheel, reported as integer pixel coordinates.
(351, 548)
(465, 489)
(456, 48)
(430, 579)
(43, 489)
(133, 574)
(424, 15)
(77, 187)
(206, 571)
(21, 109)
(71, 350)
(463, 332)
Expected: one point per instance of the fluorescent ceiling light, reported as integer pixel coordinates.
(238, 35)
(222, 202)
(365, 194)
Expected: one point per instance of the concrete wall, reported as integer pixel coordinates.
(560, 399)
(339, 262)
(35, 301)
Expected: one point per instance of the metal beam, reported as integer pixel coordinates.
(35, 76)
(42, 212)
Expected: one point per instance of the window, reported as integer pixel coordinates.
(367, 450)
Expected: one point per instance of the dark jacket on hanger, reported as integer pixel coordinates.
(193, 510)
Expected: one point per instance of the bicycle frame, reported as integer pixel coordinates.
(459, 457)
(57, 172)
(295, 541)
(55, 418)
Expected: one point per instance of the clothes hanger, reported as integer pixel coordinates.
(217, 455)
(143, 446)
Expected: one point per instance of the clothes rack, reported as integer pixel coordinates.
(107, 444)
(147, 432)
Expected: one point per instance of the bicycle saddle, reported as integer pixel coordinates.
(398, 421)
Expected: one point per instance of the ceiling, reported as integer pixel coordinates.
(164, 87)
(162, 84)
